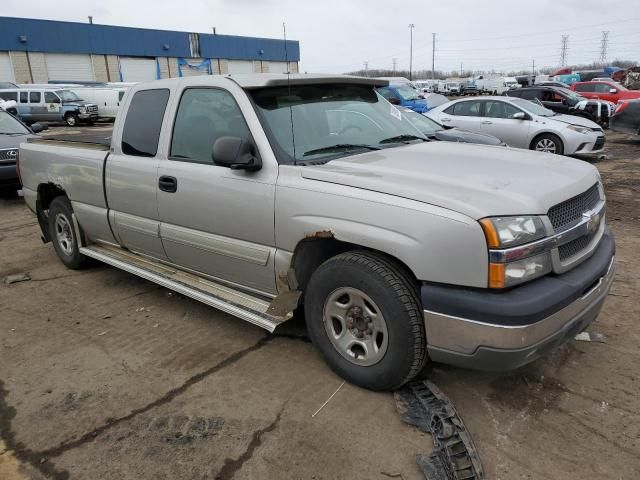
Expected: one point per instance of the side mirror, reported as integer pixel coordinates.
(519, 116)
(613, 90)
(394, 101)
(235, 153)
(38, 127)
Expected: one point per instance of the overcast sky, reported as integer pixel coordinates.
(337, 36)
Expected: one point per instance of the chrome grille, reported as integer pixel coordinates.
(92, 108)
(574, 247)
(10, 154)
(568, 213)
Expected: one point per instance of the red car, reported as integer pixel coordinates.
(610, 91)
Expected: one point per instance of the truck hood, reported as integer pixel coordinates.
(475, 180)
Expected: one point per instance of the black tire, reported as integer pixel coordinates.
(393, 294)
(548, 137)
(67, 248)
(72, 120)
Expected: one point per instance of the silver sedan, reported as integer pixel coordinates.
(523, 124)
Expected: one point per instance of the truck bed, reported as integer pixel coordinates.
(92, 142)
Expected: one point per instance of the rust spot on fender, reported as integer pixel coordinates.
(320, 234)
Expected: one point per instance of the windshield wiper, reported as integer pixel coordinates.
(340, 146)
(402, 139)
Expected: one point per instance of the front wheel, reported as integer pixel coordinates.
(363, 314)
(547, 143)
(71, 119)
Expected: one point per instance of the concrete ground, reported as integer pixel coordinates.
(104, 375)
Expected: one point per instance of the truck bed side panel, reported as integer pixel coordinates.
(75, 168)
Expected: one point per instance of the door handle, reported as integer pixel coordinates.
(168, 184)
(486, 122)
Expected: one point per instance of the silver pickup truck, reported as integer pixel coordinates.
(260, 194)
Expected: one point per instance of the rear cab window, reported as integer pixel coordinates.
(586, 87)
(142, 126)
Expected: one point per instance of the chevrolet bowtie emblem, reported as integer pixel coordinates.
(593, 221)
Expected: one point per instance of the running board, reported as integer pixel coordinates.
(234, 302)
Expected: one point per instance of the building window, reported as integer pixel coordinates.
(194, 45)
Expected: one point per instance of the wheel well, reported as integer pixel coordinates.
(535, 139)
(310, 253)
(46, 193)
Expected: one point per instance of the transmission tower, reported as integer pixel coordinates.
(604, 46)
(563, 50)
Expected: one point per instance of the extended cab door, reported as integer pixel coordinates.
(216, 220)
(131, 174)
(603, 90)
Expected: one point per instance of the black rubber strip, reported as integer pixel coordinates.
(454, 456)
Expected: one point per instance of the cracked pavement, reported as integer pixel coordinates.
(104, 375)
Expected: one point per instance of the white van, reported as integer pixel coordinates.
(107, 99)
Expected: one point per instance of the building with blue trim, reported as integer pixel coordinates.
(39, 51)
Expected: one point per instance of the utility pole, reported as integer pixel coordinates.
(533, 72)
(411, 27)
(563, 50)
(604, 46)
(90, 19)
(433, 58)
(214, 30)
(395, 61)
(366, 69)
(460, 69)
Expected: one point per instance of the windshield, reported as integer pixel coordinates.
(11, 126)
(423, 123)
(67, 96)
(329, 121)
(449, 85)
(407, 92)
(532, 107)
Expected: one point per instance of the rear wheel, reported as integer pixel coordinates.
(363, 314)
(548, 143)
(63, 234)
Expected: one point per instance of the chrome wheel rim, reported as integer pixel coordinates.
(64, 236)
(71, 120)
(546, 145)
(355, 326)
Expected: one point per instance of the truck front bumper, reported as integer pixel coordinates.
(499, 331)
(8, 174)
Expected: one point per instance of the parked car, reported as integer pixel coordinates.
(107, 99)
(523, 124)
(626, 118)
(405, 96)
(42, 104)
(12, 133)
(610, 91)
(553, 83)
(257, 194)
(453, 88)
(468, 89)
(562, 100)
(435, 131)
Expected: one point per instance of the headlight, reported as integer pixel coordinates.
(504, 232)
(579, 129)
(510, 266)
(82, 109)
(503, 275)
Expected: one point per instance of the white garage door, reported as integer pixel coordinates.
(66, 66)
(138, 69)
(191, 71)
(240, 66)
(6, 69)
(277, 67)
